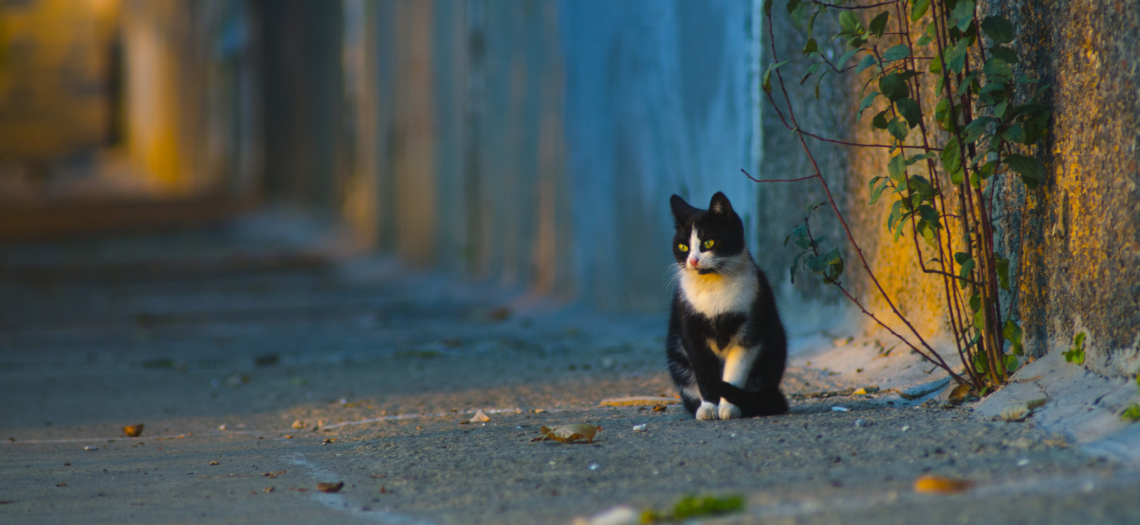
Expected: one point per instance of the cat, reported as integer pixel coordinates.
(726, 347)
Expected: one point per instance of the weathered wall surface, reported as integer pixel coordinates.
(1080, 231)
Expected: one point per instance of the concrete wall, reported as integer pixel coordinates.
(537, 142)
(1080, 232)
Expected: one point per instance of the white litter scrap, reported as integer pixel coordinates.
(639, 428)
(839, 409)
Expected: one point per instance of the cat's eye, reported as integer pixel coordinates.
(682, 247)
(708, 244)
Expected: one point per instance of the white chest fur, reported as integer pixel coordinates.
(718, 293)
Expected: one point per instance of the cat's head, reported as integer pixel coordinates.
(707, 241)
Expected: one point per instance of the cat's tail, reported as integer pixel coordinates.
(765, 402)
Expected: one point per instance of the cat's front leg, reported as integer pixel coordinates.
(737, 367)
(707, 411)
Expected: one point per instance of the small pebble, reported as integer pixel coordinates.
(90, 447)
(593, 466)
(905, 428)
(639, 428)
(1022, 462)
(861, 422)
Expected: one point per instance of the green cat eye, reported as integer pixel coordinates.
(682, 247)
(708, 244)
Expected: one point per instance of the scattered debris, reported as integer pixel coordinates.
(867, 390)
(91, 447)
(638, 401)
(213, 463)
(133, 430)
(330, 487)
(905, 428)
(839, 409)
(237, 379)
(479, 417)
(569, 433)
(639, 428)
(941, 485)
(1020, 411)
(619, 515)
(298, 424)
(1022, 462)
(695, 507)
(266, 360)
(268, 489)
(61, 484)
(861, 423)
(659, 408)
(288, 436)
(960, 393)
(222, 426)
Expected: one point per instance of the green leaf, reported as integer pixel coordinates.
(998, 29)
(942, 114)
(877, 190)
(846, 56)
(1012, 333)
(919, 185)
(956, 55)
(1011, 363)
(1076, 353)
(867, 101)
(767, 80)
(927, 212)
(895, 216)
(792, 5)
(918, 9)
(897, 128)
(768, 8)
(1003, 273)
(1027, 167)
(893, 86)
(795, 266)
(898, 52)
(897, 168)
(998, 70)
(866, 62)
(980, 320)
(850, 22)
(936, 65)
(909, 109)
(975, 301)
(951, 157)
(879, 23)
(1004, 53)
(923, 40)
(964, 271)
(963, 14)
(811, 47)
(880, 120)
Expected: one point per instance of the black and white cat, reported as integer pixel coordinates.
(726, 346)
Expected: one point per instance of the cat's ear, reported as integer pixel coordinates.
(719, 205)
(681, 210)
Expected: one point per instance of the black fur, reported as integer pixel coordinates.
(688, 354)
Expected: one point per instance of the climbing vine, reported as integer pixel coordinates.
(938, 85)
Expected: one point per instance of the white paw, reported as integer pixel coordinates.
(706, 411)
(729, 410)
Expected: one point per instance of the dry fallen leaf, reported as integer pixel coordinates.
(959, 393)
(212, 463)
(638, 401)
(1015, 412)
(268, 489)
(941, 485)
(61, 484)
(866, 390)
(298, 424)
(330, 487)
(480, 417)
(133, 430)
(569, 433)
(659, 408)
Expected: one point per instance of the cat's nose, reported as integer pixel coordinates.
(695, 263)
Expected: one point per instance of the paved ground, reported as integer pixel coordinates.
(188, 332)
